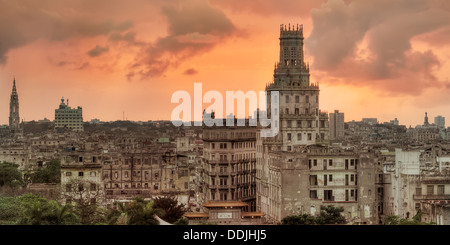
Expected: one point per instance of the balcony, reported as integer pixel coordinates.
(431, 197)
(223, 173)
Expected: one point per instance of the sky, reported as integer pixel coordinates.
(124, 59)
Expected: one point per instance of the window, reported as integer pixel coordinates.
(289, 124)
(313, 194)
(289, 136)
(309, 136)
(352, 177)
(80, 187)
(297, 99)
(287, 98)
(430, 189)
(68, 173)
(93, 174)
(81, 174)
(315, 162)
(307, 99)
(440, 189)
(330, 178)
(328, 195)
(287, 110)
(299, 136)
(419, 191)
(313, 180)
(299, 123)
(297, 111)
(330, 162)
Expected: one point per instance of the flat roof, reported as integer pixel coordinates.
(196, 215)
(250, 214)
(224, 204)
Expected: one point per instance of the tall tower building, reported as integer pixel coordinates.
(301, 122)
(301, 125)
(14, 119)
(439, 121)
(336, 125)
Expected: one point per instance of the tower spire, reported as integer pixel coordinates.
(14, 90)
(14, 119)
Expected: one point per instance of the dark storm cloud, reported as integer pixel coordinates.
(388, 27)
(193, 28)
(190, 71)
(22, 22)
(270, 7)
(98, 50)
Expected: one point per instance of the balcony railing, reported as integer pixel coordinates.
(431, 197)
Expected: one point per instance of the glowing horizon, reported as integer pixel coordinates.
(112, 57)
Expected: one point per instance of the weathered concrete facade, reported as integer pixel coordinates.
(229, 155)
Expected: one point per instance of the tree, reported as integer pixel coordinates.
(136, 212)
(51, 173)
(10, 210)
(416, 220)
(330, 215)
(172, 210)
(392, 220)
(85, 195)
(10, 175)
(302, 219)
(115, 215)
(63, 214)
(37, 210)
(182, 221)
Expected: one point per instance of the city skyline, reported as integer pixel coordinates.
(121, 60)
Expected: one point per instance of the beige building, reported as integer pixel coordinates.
(68, 118)
(81, 179)
(229, 155)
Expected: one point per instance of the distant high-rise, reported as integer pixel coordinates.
(439, 121)
(394, 122)
(66, 117)
(14, 119)
(371, 121)
(336, 125)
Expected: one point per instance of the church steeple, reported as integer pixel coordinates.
(14, 90)
(14, 119)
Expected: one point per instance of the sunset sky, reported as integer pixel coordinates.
(386, 58)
